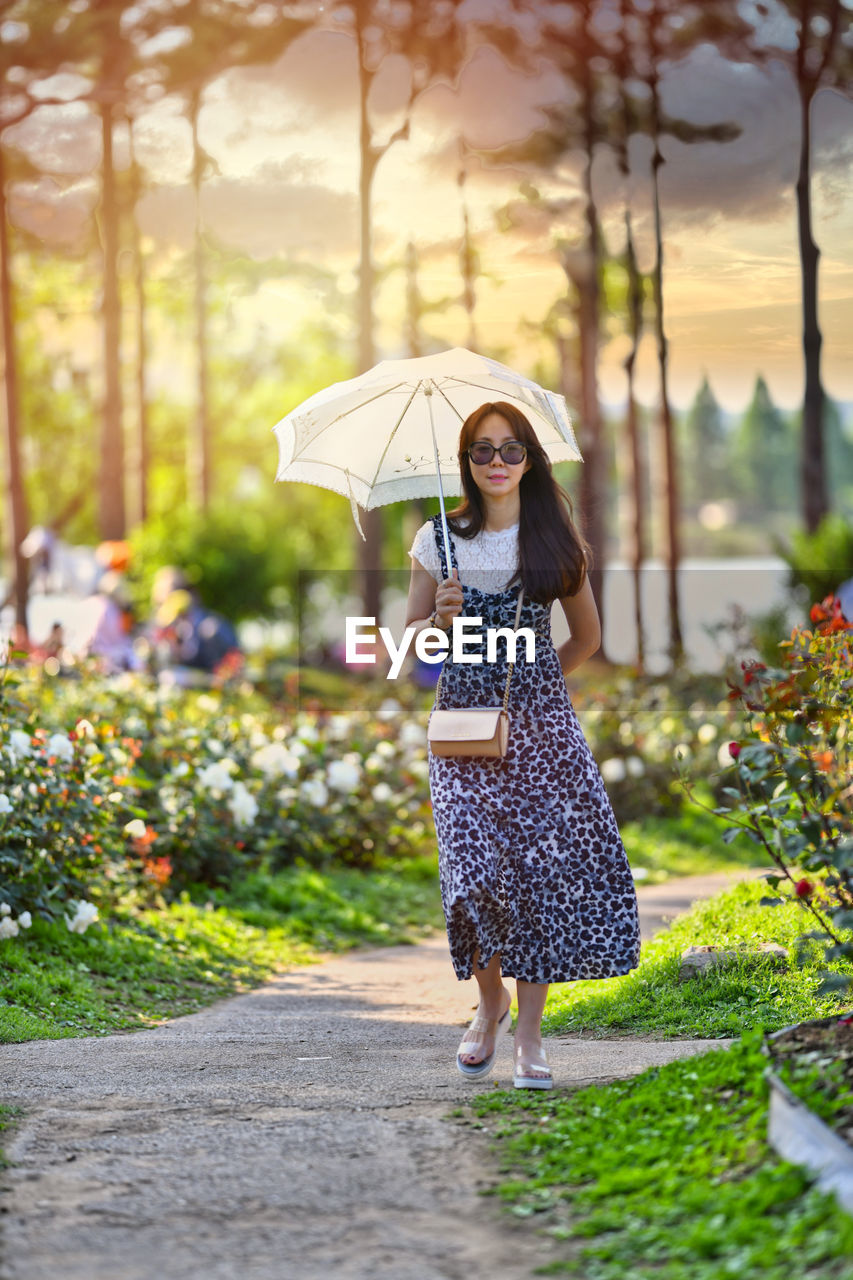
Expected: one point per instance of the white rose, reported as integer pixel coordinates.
(385, 748)
(420, 768)
(171, 799)
(315, 792)
(5, 803)
(681, 750)
(613, 770)
(276, 761)
(215, 748)
(412, 735)
(215, 778)
(343, 776)
(297, 748)
(339, 727)
(389, 709)
(8, 927)
(19, 744)
(382, 793)
(86, 913)
(5, 909)
(25, 919)
(181, 769)
(135, 829)
(243, 805)
(60, 746)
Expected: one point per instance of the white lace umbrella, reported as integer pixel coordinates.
(384, 436)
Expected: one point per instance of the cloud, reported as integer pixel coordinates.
(61, 140)
(318, 71)
(749, 178)
(259, 216)
(55, 214)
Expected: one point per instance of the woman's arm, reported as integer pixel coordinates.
(425, 594)
(585, 627)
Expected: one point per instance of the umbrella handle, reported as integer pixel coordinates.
(447, 560)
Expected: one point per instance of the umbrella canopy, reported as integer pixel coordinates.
(393, 433)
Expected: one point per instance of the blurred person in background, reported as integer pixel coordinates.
(192, 645)
(107, 626)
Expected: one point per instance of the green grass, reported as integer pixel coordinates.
(667, 1176)
(690, 844)
(135, 969)
(651, 1000)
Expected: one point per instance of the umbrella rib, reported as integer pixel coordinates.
(459, 382)
(394, 430)
(354, 409)
(469, 382)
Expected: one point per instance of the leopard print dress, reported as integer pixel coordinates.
(531, 864)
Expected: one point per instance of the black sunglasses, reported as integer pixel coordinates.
(512, 452)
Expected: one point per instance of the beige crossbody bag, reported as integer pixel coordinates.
(472, 731)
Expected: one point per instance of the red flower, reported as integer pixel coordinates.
(734, 750)
(803, 888)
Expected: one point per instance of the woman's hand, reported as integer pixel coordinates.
(448, 601)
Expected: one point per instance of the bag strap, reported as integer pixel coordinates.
(511, 664)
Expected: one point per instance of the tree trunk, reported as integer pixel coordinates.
(638, 531)
(594, 470)
(814, 488)
(673, 550)
(624, 69)
(143, 460)
(468, 264)
(198, 453)
(17, 519)
(668, 459)
(111, 495)
(369, 549)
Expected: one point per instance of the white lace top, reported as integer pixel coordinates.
(487, 561)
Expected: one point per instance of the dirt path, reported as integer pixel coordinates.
(291, 1133)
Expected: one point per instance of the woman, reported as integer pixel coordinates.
(535, 883)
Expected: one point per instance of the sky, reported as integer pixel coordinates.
(285, 142)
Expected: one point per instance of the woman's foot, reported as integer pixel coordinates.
(476, 1053)
(531, 1069)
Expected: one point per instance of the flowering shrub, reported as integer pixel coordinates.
(58, 797)
(642, 731)
(792, 766)
(158, 789)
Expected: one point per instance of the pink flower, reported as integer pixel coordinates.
(803, 888)
(734, 750)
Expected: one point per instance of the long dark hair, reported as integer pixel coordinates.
(553, 556)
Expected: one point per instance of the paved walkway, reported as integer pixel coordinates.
(291, 1133)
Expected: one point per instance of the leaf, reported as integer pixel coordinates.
(731, 833)
(834, 984)
(771, 902)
